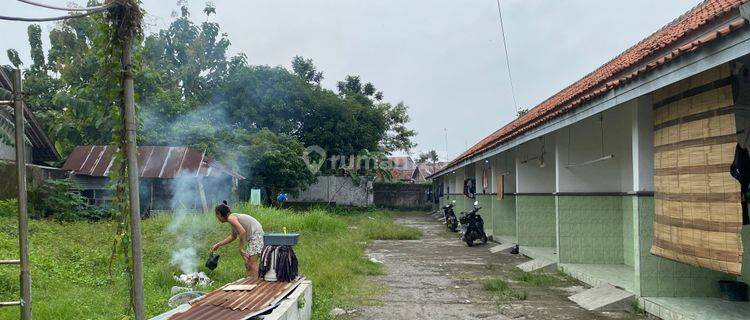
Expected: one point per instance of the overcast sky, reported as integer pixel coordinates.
(444, 58)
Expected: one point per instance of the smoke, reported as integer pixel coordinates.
(206, 128)
(184, 225)
(189, 225)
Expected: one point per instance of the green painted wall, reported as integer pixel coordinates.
(536, 220)
(590, 229)
(628, 231)
(485, 201)
(746, 256)
(504, 216)
(661, 277)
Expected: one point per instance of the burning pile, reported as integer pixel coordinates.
(193, 279)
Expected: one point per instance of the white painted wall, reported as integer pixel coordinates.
(531, 176)
(9, 153)
(505, 164)
(582, 142)
(643, 145)
(458, 180)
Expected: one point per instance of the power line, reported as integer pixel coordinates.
(507, 60)
(33, 3)
(79, 15)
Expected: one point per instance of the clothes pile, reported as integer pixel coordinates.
(278, 263)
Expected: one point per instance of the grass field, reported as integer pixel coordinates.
(70, 262)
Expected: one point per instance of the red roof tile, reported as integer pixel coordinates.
(704, 23)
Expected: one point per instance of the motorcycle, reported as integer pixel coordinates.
(450, 216)
(472, 226)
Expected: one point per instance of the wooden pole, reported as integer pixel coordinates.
(23, 224)
(132, 160)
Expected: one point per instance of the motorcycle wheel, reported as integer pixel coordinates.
(484, 238)
(453, 227)
(469, 241)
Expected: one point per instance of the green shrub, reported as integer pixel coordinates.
(8, 208)
(58, 199)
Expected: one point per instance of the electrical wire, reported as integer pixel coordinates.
(33, 3)
(90, 12)
(507, 60)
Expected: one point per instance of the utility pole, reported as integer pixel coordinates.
(23, 228)
(132, 161)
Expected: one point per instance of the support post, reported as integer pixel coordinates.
(23, 227)
(132, 160)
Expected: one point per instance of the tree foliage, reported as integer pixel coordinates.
(190, 92)
(429, 156)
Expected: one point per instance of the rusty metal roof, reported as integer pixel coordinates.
(238, 305)
(153, 162)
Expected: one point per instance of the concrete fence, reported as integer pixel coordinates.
(340, 190)
(402, 196)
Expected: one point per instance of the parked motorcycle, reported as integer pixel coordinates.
(450, 217)
(472, 226)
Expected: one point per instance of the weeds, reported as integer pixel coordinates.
(502, 291)
(533, 278)
(635, 306)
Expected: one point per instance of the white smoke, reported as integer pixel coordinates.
(185, 225)
(186, 259)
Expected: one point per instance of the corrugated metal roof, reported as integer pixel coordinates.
(153, 162)
(708, 21)
(238, 305)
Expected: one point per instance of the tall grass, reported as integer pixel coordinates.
(70, 262)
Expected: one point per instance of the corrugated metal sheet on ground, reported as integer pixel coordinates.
(153, 162)
(238, 305)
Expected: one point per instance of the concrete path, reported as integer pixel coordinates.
(439, 277)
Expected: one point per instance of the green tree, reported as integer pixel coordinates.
(430, 156)
(305, 69)
(275, 162)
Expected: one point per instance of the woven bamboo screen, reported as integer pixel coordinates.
(698, 215)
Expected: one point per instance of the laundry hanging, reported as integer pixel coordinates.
(485, 181)
(501, 187)
(740, 170)
(278, 263)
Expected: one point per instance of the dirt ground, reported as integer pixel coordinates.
(439, 277)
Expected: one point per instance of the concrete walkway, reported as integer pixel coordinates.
(439, 277)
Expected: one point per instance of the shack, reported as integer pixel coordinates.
(39, 149)
(170, 177)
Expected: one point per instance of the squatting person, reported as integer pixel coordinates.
(249, 231)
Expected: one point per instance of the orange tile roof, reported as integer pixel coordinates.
(702, 24)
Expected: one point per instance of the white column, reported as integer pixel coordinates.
(643, 145)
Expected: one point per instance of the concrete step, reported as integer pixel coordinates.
(605, 297)
(502, 247)
(538, 264)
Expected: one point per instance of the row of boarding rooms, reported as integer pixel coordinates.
(639, 196)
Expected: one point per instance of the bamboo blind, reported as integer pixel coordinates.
(698, 217)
